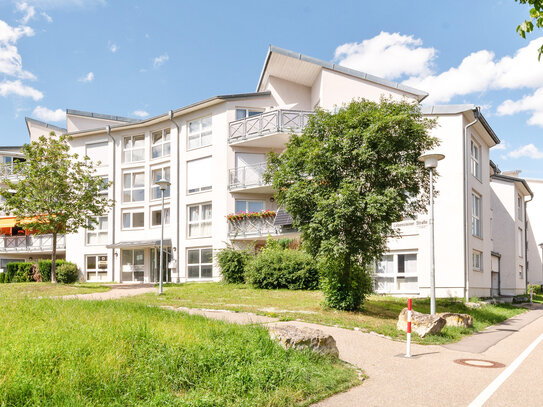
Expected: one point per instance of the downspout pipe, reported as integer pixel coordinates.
(466, 145)
(108, 131)
(170, 116)
(526, 239)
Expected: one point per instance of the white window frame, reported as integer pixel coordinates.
(97, 232)
(521, 271)
(104, 192)
(199, 222)
(199, 264)
(475, 153)
(131, 212)
(520, 239)
(247, 201)
(199, 133)
(131, 189)
(519, 207)
(476, 215)
(96, 270)
(133, 268)
(164, 133)
(395, 275)
(167, 218)
(477, 260)
(248, 111)
(204, 188)
(155, 187)
(131, 149)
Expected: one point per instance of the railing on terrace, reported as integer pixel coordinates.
(31, 243)
(7, 171)
(248, 176)
(275, 121)
(253, 227)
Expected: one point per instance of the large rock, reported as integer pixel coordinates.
(290, 336)
(422, 324)
(460, 320)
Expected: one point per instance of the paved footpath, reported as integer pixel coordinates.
(116, 292)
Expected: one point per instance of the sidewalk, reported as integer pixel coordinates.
(116, 292)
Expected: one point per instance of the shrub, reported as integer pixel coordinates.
(233, 263)
(44, 268)
(275, 267)
(2, 277)
(67, 273)
(17, 272)
(535, 287)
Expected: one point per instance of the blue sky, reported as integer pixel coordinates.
(138, 58)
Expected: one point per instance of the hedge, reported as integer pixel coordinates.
(22, 272)
(19, 272)
(44, 267)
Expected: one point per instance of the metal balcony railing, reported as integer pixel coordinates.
(275, 121)
(8, 171)
(31, 243)
(247, 177)
(253, 227)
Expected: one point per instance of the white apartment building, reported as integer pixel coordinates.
(213, 152)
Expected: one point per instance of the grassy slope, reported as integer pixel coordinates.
(21, 290)
(380, 313)
(66, 353)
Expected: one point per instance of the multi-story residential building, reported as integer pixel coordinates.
(213, 152)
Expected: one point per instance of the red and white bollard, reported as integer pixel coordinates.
(408, 350)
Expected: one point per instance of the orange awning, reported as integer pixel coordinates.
(8, 222)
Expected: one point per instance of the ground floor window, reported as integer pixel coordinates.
(133, 264)
(477, 260)
(96, 267)
(396, 273)
(200, 262)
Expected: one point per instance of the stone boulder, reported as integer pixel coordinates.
(460, 320)
(421, 324)
(290, 336)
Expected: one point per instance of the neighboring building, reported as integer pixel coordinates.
(213, 152)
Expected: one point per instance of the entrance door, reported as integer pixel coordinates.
(133, 265)
(155, 264)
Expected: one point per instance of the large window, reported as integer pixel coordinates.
(99, 234)
(243, 205)
(519, 207)
(242, 113)
(97, 152)
(96, 267)
(133, 219)
(520, 241)
(475, 160)
(200, 133)
(134, 186)
(133, 264)
(157, 175)
(134, 148)
(199, 175)
(477, 260)
(156, 216)
(161, 143)
(397, 272)
(200, 262)
(104, 192)
(476, 215)
(200, 220)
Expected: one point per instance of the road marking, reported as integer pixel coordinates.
(498, 381)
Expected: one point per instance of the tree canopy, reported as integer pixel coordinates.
(345, 180)
(55, 191)
(536, 17)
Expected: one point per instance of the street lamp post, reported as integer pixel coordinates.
(430, 162)
(163, 184)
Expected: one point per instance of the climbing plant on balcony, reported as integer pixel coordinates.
(345, 180)
(57, 192)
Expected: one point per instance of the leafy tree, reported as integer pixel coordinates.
(536, 16)
(345, 180)
(56, 192)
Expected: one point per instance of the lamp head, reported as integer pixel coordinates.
(430, 160)
(163, 184)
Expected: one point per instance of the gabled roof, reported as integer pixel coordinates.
(43, 124)
(101, 116)
(338, 68)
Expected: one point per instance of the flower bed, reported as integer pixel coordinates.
(248, 215)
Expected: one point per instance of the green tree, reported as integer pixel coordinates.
(345, 180)
(536, 16)
(56, 192)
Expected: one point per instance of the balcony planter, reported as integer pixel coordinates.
(250, 215)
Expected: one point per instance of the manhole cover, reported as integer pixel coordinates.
(479, 363)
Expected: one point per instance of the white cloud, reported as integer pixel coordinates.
(28, 10)
(528, 150)
(160, 60)
(529, 103)
(140, 113)
(18, 88)
(46, 16)
(49, 115)
(87, 78)
(388, 55)
(50, 4)
(11, 63)
(501, 146)
(113, 48)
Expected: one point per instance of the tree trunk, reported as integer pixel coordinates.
(54, 259)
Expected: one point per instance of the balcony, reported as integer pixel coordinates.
(255, 228)
(249, 179)
(269, 130)
(7, 171)
(31, 244)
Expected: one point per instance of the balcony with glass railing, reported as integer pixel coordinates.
(31, 244)
(270, 129)
(249, 178)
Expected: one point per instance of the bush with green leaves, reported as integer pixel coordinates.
(67, 273)
(17, 272)
(278, 267)
(44, 268)
(232, 262)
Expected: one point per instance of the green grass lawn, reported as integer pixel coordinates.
(115, 353)
(380, 313)
(18, 290)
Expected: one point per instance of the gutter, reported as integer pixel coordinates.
(477, 114)
(108, 131)
(170, 117)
